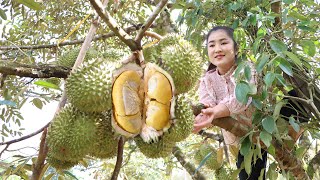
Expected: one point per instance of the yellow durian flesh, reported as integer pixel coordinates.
(127, 102)
(159, 88)
(157, 115)
(142, 100)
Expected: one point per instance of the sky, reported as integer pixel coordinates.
(34, 119)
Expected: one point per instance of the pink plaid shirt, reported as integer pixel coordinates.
(220, 89)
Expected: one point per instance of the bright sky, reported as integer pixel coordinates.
(34, 119)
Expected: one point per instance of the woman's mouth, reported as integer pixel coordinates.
(219, 56)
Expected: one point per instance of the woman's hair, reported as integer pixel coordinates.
(229, 32)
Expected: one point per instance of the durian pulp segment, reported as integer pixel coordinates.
(158, 99)
(127, 102)
(157, 115)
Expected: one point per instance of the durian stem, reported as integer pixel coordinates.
(119, 159)
(176, 151)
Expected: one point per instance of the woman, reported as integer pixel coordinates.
(217, 89)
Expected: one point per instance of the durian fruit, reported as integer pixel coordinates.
(69, 58)
(71, 134)
(222, 173)
(162, 148)
(114, 54)
(142, 101)
(180, 129)
(105, 144)
(89, 87)
(204, 150)
(183, 122)
(178, 58)
(60, 164)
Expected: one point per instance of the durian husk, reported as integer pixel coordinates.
(60, 164)
(70, 134)
(88, 88)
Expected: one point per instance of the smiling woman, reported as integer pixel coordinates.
(217, 93)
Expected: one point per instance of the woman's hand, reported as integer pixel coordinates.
(203, 120)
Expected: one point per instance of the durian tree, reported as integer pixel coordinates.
(45, 57)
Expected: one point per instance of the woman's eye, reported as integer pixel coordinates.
(211, 45)
(223, 43)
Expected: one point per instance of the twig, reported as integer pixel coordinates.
(112, 24)
(119, 159)
(153, 35)
(187, 165)
(39, 164)
(150, 20)
(5, 148)
(66, 43)
(25, 137)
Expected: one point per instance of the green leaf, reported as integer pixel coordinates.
(277, 109)
(245, 146)
(3, 14)
(37, 102)
(269, 78)
(262, 61)
(308, 47)
(268, 124)
(30, 4)
(294, 58)
(46, 84)
(247, 73)
(266, 138)
(281, 79)
(278, 46)
(257, 103)
(242, 91)
(248, 161)
(285, 65)
(204, 160)
(293, 123)
(300, 152)
(256, 117)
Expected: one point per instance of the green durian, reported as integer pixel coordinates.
(114, 55)
(89, 87)
(71, 134)
(61, 164)
(179, 58)
(159, 149)
(105, 143)
(183, 122)
(211, 161)
(69, 58)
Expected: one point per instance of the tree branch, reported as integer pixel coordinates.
(217, 137)
(66, 43)
(4, 149)
(150, 20)
(39, 164)
(187, 165)
(112, 24)
(119, 159)
(33, 71)
(25, 137)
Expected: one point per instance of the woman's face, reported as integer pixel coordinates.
(221, 51)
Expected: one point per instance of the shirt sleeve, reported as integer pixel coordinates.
(234, 106)
(204, 96)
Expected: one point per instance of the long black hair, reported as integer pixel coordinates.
(229, 32)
